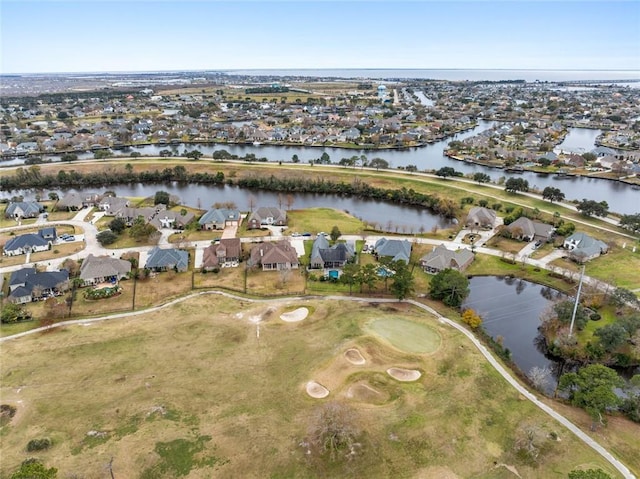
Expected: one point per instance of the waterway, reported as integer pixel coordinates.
(578, 140)
(386, 216)
(620, 197)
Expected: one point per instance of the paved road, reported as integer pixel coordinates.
(483, 350)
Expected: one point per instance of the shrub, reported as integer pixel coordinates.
(39, 444)
(595, 317)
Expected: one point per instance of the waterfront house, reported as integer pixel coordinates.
(23, 209)
(480, 217)
(219, 218)
(267, 216)
(527, 230)
(583, 247)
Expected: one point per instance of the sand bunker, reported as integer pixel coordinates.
(405, 375)
(354, 356)
(316, 391)
(295, 315)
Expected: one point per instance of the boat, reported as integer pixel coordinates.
(514, 169)
(256, 143)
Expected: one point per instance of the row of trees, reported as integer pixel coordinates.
(33, 178)
(402, 281)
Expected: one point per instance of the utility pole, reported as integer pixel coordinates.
(575, 306)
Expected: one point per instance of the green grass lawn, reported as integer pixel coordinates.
(315, 220)
(406, 335)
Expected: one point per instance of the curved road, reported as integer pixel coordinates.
(483, 350)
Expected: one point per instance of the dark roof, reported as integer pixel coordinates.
(20, 276)
(29, 239)
(167, 258)
(32, 279)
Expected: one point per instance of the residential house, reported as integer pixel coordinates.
(397, 250)
(480, 217)
(442, 258)
(103, 269)
(219, 218)
(226, 252)
(274, 256)
(172, 219)
(23, 209)
(267, 216)
(527, 230)
(26, 284)
(73, 201)
(165, 259)
(325, 256)
(583, 247)
(112, 205)
(30, 242)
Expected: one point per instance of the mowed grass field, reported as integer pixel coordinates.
(199, 390)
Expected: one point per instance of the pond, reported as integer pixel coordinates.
(385, 216)
(511, 308)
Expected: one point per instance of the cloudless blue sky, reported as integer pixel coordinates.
(55, 36)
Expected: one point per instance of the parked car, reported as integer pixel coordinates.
(537, 244)
(69, 238)
(306, 234)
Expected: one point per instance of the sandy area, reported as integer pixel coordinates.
(354, 357)
(316, 391)
(295, 315)
(404, 374)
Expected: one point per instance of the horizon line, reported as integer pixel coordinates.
(224, 70)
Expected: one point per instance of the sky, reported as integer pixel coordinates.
(94, 36)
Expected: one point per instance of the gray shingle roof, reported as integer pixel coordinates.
(103, 266)
(396, 249)
(167, 258)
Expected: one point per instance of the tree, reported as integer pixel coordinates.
(403, 282)
(71, 266)
(473, 319)
(592, 388)
(334, 431)
(53, 196)
(34, 469)
(12, 313)
(539, 377)
(161, 197)
(631, 222)
(611, 336)
(106, 237)
(513, 185)
(367, 275)
(588, 474)
(194, 154)
(450, 287)
(552, 194)
(350, 275)
(295, 159)
(591, 207)
(117, 225)
(446, 171)
(481, 178)
(622, 296)
(325, 159)
(335, 233)
(378, 163)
